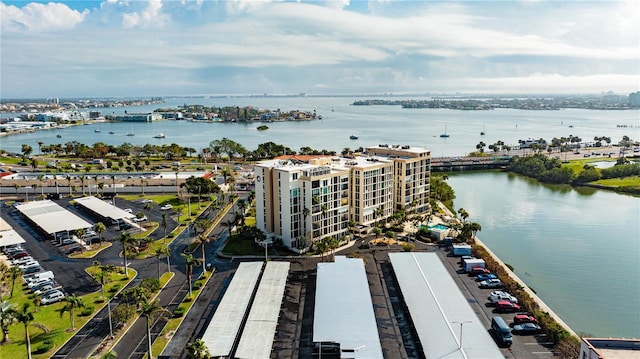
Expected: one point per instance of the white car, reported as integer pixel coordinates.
(498, 295)
(143, 201)
(128, 210)
(166, 207)
(141, 219)
(490, 283)
(53, 297)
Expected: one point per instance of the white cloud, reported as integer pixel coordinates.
(337, 46)
(151, 16)
(36, 17)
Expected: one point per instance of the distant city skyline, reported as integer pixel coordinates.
(120, 48)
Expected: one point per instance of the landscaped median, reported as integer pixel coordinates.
(120, 329)
(57, 321)
(179, 314)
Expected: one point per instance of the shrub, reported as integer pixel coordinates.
(179, 312)
(151, 284)
(115, 288)
(43, 348)
(86, 311)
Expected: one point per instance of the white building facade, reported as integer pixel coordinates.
(303, 201)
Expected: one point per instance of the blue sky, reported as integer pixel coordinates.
(203, 47)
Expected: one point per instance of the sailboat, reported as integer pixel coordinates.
(97, 130)
(160, 135)
(482, 133)
(131, 133)
(444, 135)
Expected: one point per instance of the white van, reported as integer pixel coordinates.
(34, 277)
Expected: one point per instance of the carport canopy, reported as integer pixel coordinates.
(103, 208)
(51, 217)
(10, 237)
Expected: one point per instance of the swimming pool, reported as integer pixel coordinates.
(439, 226)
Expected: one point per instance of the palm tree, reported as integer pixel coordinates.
(82, 178)
(25, 316)
(126, 240)
(190, 261)
(102, 277)
(157, 253)
(72, 302)
(13, 274)
(322, 247)
(463, 214)
(164, 226)
(203, 240)
(197, 350)
(41, 179)
(166, 251)
(68, 178)
(377, 231)
(149, 311)
(7, 319)
(100, 228)
(115, 192)
(333, 245)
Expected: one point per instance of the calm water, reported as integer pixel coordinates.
(373, 124)
(578, 249)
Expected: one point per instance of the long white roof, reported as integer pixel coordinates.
(225, 324)
(259, 330)
(51, 217)
(344, 310)
(103, 208)
(437, 306)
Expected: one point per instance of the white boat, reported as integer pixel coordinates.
(353, 137)
(130, 134)
(160, 135)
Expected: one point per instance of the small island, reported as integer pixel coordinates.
(263, 128)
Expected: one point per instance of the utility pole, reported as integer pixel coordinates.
(461, 324)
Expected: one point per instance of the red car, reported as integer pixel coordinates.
(505, 306)
(521, 318)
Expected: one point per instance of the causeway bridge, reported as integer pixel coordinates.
(450, 164)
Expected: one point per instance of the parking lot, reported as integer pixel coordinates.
(524, 346)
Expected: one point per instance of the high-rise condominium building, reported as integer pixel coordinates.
(303, 200)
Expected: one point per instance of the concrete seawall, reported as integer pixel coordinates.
(535, 297)
(541, 304)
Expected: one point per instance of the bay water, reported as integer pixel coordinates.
(579, 249)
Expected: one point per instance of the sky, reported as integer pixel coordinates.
(138, 48)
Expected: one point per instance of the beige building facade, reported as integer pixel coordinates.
(303, 201)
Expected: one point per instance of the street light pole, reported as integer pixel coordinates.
(110, 323)
(461, 324)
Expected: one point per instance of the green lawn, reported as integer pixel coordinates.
(633, 181)
(49, 316)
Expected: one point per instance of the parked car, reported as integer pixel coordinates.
(499, 295)
(505, 306)
(476, 271)
(53, 297)
(490, 283)
(128, 210)
(143, 201)
(521, 318)
(140, 219)
(166, 207)
(482, 277)
(18, 255)
(526, 329)
(21, 261)
(40, 282)
(32, 269)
